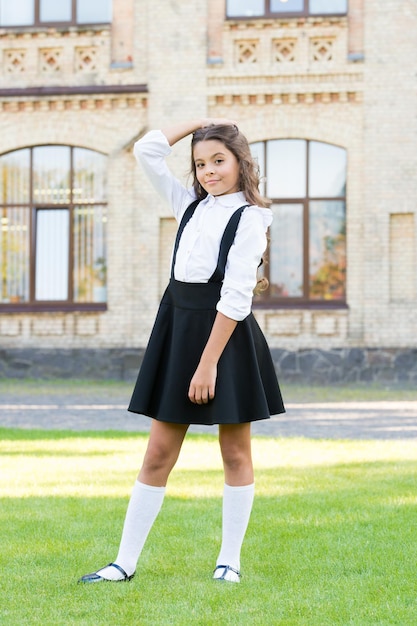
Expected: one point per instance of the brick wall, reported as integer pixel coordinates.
(348, 81)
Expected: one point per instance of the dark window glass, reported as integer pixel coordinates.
(306, 181)
(53, 215)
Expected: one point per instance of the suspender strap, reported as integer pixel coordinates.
(226, 244)
(189, 212)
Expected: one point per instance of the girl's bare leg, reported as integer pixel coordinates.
(148, 493)
(235, 444)
(164, 445)
(236, 449)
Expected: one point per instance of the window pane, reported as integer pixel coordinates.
(286, 168)
(52, 243)
(93, 11)
(15, 177)
(16, 12)
(327, 250)
(90, 256)
(14, 254)
(286, 251)
(239, 8)
(287, 6)
(258, 153)
(328, 6)
(327, 170)
(51, 174)
(89, 176)
(53, 11)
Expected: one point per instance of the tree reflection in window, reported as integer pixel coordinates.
(306, 181)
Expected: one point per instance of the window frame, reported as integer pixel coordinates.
(268, 14)
(37, 23)
(32, 207)
(264, 300)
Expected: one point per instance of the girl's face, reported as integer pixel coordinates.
(217, 169)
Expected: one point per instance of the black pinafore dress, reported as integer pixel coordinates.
(246, 387)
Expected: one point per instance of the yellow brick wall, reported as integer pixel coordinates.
(347, 81)
(389, 165)
(402, 258)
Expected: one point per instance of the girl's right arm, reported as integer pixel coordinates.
(151, 151)
(179, 131)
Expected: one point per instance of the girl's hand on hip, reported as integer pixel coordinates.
(203, 383)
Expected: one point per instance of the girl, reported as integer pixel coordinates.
(207, 361)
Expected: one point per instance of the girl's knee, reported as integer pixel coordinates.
(164, 445)
(235, 456)
(157, 457)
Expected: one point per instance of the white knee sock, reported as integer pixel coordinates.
(237, 507)
(144, 506)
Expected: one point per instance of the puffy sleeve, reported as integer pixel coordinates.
(242, 263)
(151, 152)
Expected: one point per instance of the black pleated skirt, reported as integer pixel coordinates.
(246, 388)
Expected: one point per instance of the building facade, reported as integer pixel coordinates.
(325, 92)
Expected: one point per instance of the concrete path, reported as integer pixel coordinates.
(341, 420)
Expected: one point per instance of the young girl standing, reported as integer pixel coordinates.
(207, 361)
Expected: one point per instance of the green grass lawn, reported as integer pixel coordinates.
(332, 539)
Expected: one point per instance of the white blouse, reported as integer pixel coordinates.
(200, 241)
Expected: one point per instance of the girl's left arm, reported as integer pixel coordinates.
(203, 383)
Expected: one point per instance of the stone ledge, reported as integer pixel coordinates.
(347, 365)
(315, 366)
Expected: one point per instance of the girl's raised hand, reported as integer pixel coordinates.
(222, 121)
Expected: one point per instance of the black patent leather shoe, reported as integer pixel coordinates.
(96, 578)
(229, 573)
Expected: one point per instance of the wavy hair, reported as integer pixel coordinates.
(231, 137)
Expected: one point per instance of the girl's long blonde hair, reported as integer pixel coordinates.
(249, 177)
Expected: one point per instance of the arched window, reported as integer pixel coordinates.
(306, 181)
(53, 212)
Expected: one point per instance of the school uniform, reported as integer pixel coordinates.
(218, 248)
